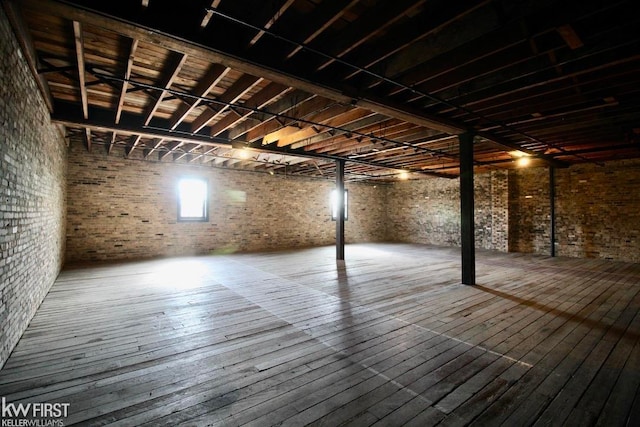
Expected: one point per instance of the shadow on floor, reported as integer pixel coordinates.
(593, 324)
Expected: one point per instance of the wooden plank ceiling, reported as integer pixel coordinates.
(288, 86)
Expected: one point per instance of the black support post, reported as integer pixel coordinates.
(466, 210)
(552, 203)
(340, 210)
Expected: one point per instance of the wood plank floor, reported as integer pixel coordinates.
(292, 338)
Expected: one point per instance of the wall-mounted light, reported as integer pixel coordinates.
(403, 175)
(522, 159)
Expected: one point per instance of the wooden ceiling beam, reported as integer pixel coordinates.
(79, 45)
(340, 120)
(363, 125)
(391, 129)
(403, 139)
(112, 142)
(323, 16)
(213, 77)
(468, 54)
(375, 22)
(204, 154)
(507, 85)
(264, 97)
(237, 90)
(400, 134)
(271, 21)
(134, 140)
(549, 108)
(526, 28)
(170, 149)
(290, 102)
(65, 115)
(178, 44)
(209, 13)
(87, 135)
(469, 27)
(157, 143)
(175, 63)
(127, 75)
(172, 69)
(570, 37)
(430, 21)
(300, 110)
(317, 117)
(458, 79)
(187, 152)
(557, 96)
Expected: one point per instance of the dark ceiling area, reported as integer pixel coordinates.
(291, 86)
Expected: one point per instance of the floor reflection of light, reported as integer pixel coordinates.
(181, 274)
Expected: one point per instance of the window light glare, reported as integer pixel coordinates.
(193, 198)
(334, 204)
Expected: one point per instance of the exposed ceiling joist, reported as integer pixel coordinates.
(127, 75)
(188, 48)
(342, 80)
(100, 122)
(79, 43)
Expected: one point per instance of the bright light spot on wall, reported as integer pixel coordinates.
(334, 204)
(403, 175)
(523, 161)
(244, 153)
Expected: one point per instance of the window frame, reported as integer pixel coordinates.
(205, 202)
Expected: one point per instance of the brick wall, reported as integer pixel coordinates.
(428, 211)
(529, 211)
(32, 194)
(597, 211)
(126, 208)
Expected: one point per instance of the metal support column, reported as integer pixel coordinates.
(340, 210)
(552, 203)
(466, 210)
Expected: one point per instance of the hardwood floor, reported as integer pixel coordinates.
(389, 338)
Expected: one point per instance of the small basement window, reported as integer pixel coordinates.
(192, 200)
(334, 205)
